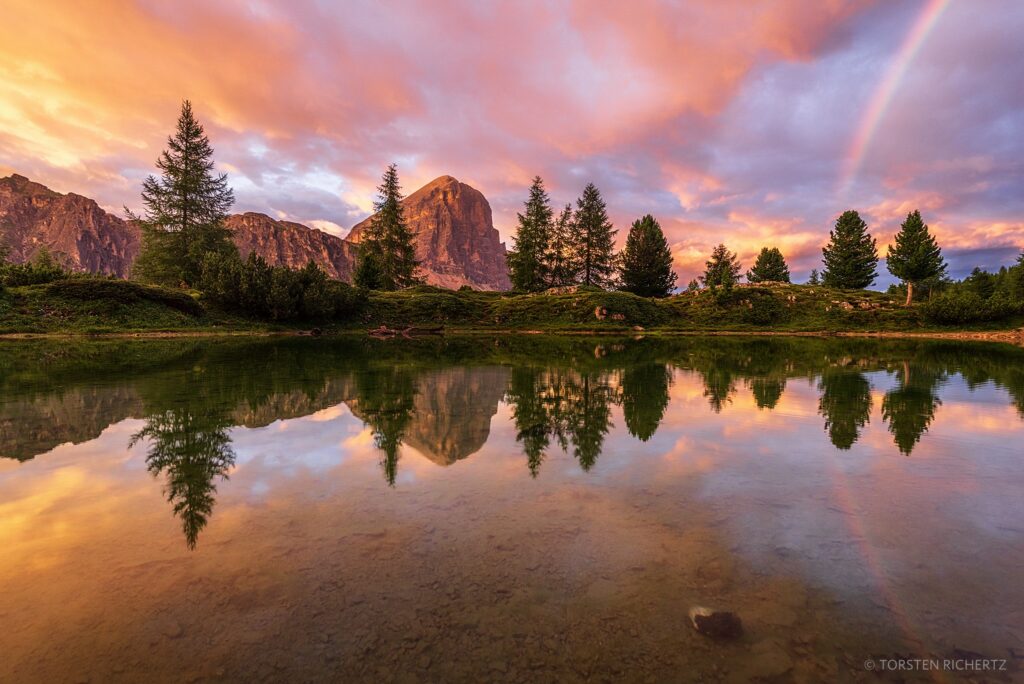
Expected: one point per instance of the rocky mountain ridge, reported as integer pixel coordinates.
(456, 241)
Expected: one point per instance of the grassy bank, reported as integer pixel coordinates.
(103, 306)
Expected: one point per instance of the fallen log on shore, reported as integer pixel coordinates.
(411, 331)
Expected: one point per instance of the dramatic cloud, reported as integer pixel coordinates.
(748, 123)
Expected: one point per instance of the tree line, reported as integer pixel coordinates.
(186, 244)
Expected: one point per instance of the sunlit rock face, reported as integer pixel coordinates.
(292, 244)
(73, 228)
(456, 241)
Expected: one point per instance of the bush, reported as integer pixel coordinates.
(254, 288)
(41, 270)
(764, 310)
(961, 306)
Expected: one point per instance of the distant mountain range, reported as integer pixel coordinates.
(456, 241)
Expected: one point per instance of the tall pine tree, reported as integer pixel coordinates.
(593, 240)
(387, 255)
(559, 264)
(851, 255)
(647, 260)
(770, 267)
(527, 262)
(722, 269)
(185, 209)
(916, 256)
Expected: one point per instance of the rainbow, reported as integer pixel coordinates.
(882, 97)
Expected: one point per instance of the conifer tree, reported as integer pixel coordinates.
(851, 255)
(769, 267)
(814, 279)
(722, 269)
(559, 263)
(647, 260)
(528, 260)
(185, 209)
(693, 285)
(916, 256)
(387, 255)
(593, 239)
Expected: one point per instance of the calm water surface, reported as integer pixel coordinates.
(527, 509)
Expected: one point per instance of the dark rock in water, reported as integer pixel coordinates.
(316, 332)
(717, 624)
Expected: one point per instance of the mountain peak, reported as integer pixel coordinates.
(456, 242)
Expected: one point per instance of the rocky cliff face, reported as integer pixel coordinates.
(292, 244)
(455, 236)
(456, 241)
(74, 228)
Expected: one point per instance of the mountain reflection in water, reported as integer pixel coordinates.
(792, 426)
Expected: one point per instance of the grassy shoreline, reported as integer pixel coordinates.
(120, 309)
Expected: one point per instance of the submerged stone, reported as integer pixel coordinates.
(717, 624)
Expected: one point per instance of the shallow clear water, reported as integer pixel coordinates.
(512, 509)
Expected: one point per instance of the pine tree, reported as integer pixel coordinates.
(851, 255)
(593, 239)
(527, 261)
(647, 260)
(185, 209)
(693, 285)
(814, 279)
(388, 242)
(981, 282)
(559, 264)
(916, 256)
(770, 267)
(722, 269)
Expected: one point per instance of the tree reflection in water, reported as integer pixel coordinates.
(441, 395)
(845, 403)
(384, 399)
(192, 451)
(910, 408)
(645, 397)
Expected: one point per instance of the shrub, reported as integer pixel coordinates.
(764, 310)
(961, 306)
(41, 270)
(253, 288)
(284, 295)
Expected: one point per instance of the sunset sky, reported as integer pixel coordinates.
(749, 123)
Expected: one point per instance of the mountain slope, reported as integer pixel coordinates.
(292, 244)
(74, 228)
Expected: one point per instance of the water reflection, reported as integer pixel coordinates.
(548, 506)
(910, 408)
(439, 397)
(845, 403)
(192, 451)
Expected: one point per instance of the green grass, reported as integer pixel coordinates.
(788, 308)
(101, 305)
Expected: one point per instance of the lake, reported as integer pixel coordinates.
(530, 508)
